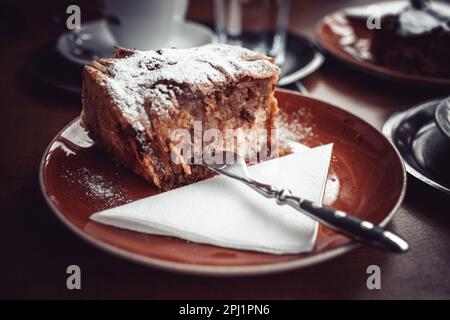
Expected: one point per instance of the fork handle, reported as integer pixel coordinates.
(360, 230)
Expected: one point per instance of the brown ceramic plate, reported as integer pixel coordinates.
(345, 36)
(367, 178)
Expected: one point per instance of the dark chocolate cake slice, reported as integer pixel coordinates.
(415, 40)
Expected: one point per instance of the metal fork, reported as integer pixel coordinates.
(355, 228)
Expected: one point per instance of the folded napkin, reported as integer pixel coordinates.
(227, 213)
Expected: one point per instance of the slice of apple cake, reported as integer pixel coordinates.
(134, 102)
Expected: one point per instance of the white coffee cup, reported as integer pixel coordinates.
(143, 24)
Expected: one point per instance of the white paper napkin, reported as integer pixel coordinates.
(224, 212)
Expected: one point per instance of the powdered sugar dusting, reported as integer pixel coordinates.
(294, 127)
(97, 187)
(417, 22)
(154, 78)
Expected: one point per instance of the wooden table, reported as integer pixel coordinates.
(36, 248)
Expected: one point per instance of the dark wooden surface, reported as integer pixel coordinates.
(36, 248)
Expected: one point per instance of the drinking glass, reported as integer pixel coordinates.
(259, 25)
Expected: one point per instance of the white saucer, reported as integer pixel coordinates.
(98, 39)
